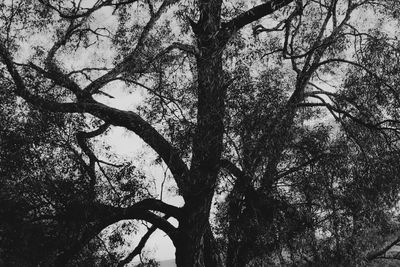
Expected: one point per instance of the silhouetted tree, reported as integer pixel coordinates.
(293, 123)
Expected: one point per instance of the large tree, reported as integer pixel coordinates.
(262, 114)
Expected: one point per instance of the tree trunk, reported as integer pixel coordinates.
(189, 252)
(207, 142)
(196, 245)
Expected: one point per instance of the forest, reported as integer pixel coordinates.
(250, 132)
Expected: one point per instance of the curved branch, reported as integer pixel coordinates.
(104, 215)
(99, 216)
(128, 119)
(132, 121)
(107, 215)
(158, 205)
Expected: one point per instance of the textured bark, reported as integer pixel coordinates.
(207, 141)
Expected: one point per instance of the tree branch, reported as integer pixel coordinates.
(381, 252)
(129, 61)
(75, 14)
(229, 166)
(81, 139)
(58, 77)
(138, 249)
(340, 111)
(100, 216)
(299, 167)
(108, 215)
(251, 15)
(128, 119)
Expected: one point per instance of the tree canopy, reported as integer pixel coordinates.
(276, 122)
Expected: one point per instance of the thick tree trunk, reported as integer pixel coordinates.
(207, 149)
(196, 245)
(207, 142)
(206, 253)
(188, 253)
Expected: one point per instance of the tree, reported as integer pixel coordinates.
(211, 115)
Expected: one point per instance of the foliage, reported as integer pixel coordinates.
(290, 129)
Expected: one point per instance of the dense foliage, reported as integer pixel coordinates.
(276, 122)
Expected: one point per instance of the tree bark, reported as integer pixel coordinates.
(207, 149)
(207, 140)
